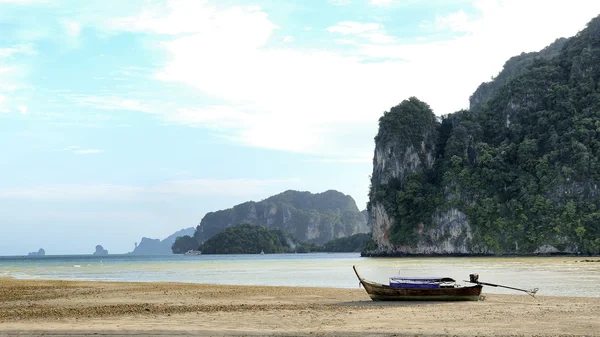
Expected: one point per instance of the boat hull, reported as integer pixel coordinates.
(382, 292)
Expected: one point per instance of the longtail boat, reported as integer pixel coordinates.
(420, 289)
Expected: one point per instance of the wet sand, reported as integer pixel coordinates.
(54, 308)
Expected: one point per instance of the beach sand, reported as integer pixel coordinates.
(70, 308)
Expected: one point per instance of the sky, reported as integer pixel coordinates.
(124, 119)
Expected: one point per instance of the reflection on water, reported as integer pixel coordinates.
(559, 276)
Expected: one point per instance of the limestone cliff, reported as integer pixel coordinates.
(516, 174)
(100, 250)
(404, 157)
(40, 252)
(309, 217)
(150, 246)
(515, 66)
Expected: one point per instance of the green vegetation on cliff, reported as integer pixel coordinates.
(524, 166)
(316, 218)
(409, 195)
(253, 239)
(184, 244)
(247, 239)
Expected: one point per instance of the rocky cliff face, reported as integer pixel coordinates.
(150, 246)
(40, 252)
(100, 250)
(518, 173)
(316, 218)
(405, 151)
(513, 67)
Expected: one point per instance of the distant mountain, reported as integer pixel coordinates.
(157, 247)
(40, 252)
(316, 218)
(100, 250)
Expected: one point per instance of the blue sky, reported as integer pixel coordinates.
(123, 119)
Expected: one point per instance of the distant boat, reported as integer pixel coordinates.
(262, 252)
(193, 252)
(420, 289)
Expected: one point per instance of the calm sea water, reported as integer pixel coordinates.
(557, 276)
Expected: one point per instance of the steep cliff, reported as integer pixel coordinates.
(149, 246)
(40, 252)
(308, 217)
(516, 174)
(515, 66)
(100, 250)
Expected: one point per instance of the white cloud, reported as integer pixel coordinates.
(3, 100)
(192, 16)
(18, 49)
(304, 99)
(88, 151)
(22, 2)
(381, 2)
(109, 102)
(371, 32)
(340, 2)
(75, 149)
(174, 188)
(349, 27)
(22, 109)
(72, 28)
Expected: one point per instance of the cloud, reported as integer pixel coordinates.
(175, 188)
(26, 49)
(340, 2)
(307, 99)
(75, 149)
(72, 28)
(3, 100)
(22, 109)
(353, 27)
(22, 2)
(371, 32)
(88, 151)
(288, 39)
(191, 16)
(108, 102)
(381, 2)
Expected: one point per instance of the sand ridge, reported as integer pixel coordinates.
(118, 308)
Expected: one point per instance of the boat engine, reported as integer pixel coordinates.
(474, 278)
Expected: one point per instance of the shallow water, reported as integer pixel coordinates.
(558, 276)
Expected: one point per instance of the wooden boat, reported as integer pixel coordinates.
(420, 289)
(192, 252)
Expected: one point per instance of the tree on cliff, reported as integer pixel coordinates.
(247, 239)
(183, 244)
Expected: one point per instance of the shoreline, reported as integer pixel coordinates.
(82, 308)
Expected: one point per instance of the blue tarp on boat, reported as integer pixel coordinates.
(414, 285)
(422, 279)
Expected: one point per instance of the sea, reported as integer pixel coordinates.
(554, 276)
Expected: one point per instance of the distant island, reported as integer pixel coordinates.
(516, 174)
(149, 246)
(40, 252)
(100, 250)
(303, 217)
(257, 239)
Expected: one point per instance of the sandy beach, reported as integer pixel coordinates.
(105, 308)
